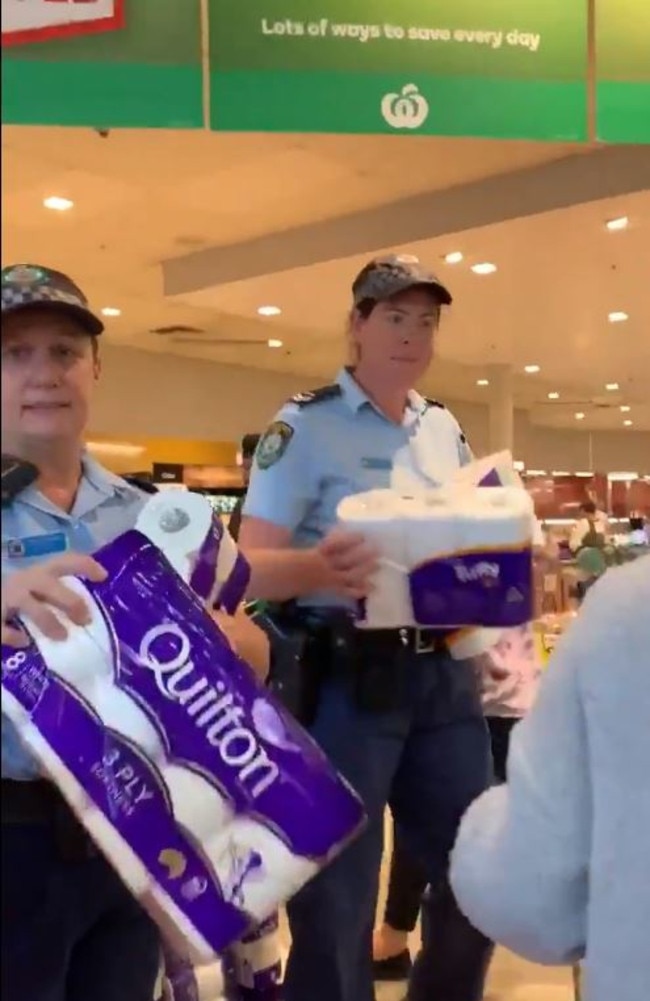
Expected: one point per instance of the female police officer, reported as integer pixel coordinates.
(70, 930)
(400, 721)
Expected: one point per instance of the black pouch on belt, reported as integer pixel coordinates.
(294, 677)
(376, 663)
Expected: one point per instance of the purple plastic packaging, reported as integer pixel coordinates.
(212, 718)
(476, 589)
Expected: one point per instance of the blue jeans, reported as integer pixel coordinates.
(71, 931)
(428, 760)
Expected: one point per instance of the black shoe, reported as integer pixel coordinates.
(393, 968)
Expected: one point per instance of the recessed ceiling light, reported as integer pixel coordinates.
(532, 369)
(57, 203)
(611, 387)
(111, 311)
(618, 317)
(554, 396)
(454, 258)
(579, 416)
(484, 268)
(269, 310)
(628, 424)
(621, 222)
(273, 343)
(482, 382)
(625, 409)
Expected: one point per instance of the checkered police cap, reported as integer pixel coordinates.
(385, 277)
(25, 286)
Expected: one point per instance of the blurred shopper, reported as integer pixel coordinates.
(509, 675)
(591, 529)
(71, 931)
(400, 719)
(556, 864)
(248, 445)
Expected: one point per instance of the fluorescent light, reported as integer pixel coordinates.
(111, 311)
(554, 396)
(619, 223)
(454, 258)
(518, 465)
(584, 476)
(625, 409)
(269, 310)
(536, 472)
(273, 343)
(560, 472)
(622, 477)
(618, 316)
(579, 416)
(532, 369)
(611, 387)
(482, 382)
(484, 268)
(628, 424)
(57, 203)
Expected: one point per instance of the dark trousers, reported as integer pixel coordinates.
(428, 760)
(71, 931)
(408, 881)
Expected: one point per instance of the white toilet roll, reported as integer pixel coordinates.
(198, 807)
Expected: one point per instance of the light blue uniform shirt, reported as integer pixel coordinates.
(343, 444)
(34, 530)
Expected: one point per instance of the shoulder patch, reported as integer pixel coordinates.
(317, 395)
(434, 403)
(273, 444)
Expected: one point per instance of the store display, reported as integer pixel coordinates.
(210, 801)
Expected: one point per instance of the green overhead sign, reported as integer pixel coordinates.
(141, 71)
(623, 71)
(497, 68)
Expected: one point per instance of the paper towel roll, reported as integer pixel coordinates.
(197, 805)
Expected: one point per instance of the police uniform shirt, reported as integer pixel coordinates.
(332, 443)
(34, 530)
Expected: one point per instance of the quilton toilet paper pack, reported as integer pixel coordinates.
(185, 528)
(207, 797)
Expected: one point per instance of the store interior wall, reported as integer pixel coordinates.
(144, 393)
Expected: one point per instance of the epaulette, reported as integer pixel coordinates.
(17, 475)
(434, 403)
(140, 483)
(317, 395)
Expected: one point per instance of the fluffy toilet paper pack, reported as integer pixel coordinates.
(455, 557)
(209, 800)
(186, 529)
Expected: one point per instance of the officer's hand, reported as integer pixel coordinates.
(351, 562)
(34, 592)
(247, 640)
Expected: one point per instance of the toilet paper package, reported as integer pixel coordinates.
(208, 799)
(185, 528)
(451, 558)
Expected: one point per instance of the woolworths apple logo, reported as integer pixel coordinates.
(406, 110)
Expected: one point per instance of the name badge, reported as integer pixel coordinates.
(36, 546)
(372, 463)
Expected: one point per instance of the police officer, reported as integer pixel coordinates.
(70, 929)
(399, 719)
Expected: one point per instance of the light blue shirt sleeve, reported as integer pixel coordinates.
(284, 483)
(563, 847)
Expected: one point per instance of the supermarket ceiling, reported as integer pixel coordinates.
(200, 230)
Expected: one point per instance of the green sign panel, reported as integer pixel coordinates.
(623, 71)
(146, 74)
(498, 68)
